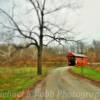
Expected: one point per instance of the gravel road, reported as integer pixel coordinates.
(61, 85)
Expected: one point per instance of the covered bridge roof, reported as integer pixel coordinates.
(76, 55)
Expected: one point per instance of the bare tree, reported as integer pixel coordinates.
(44, 30)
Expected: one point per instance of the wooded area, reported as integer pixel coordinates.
(52, 56)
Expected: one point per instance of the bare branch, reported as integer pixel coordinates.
(26, 31)
(44, 2)
(57, 9)
(37, 12)
(18, 28)
(57, 26)
(39, 6)
(58, 39)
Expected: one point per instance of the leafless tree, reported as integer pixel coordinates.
(45, 30)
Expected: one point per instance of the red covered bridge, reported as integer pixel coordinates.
(77, 59)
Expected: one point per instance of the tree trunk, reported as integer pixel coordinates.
(40, 48)
(39, 61)
(40, 51)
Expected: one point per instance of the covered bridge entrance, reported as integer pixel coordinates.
(77, 59)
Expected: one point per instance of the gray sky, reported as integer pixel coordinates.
(87, 21)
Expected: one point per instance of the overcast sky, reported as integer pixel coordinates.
(88, 20)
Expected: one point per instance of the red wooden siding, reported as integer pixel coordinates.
(80, 59)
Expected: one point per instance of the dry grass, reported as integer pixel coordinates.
(14, 81)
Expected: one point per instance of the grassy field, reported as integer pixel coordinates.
(88, 73)
(13, 81)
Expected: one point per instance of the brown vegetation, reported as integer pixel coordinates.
(27, 57)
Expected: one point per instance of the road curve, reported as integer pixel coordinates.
(61, 85)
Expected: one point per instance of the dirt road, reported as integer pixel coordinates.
(60, 85)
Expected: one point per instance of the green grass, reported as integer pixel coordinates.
(13, 81)
(88, 73)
